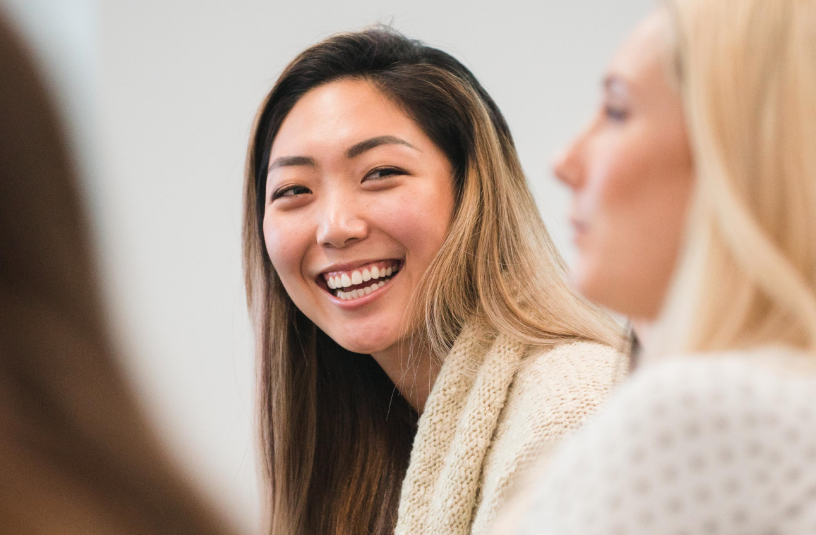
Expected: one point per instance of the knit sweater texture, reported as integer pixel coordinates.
(720, 443)
(496, 407)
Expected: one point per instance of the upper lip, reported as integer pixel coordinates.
(350, 266)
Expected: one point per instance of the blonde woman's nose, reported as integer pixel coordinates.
(565, 167)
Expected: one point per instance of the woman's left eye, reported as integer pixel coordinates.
(383, 172)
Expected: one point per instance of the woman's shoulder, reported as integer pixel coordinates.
(552, 393)
(714, 396)
(686, 441)
(588, 365)
(556, 388)
(716, 376)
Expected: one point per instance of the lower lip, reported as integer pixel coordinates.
(352, 304)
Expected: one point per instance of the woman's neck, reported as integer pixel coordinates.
(412, 369)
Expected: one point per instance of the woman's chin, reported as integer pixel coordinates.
(368, 337)
(365, 346)
(581, 278)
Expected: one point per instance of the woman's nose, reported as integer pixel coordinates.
(341, 224)
(567, 165)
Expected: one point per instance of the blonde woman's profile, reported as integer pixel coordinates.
(695, 207)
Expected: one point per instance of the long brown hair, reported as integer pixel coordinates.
(336, 434)
(76, 454)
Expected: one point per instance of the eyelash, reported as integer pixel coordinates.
(616, 114)
(387, 171)
(282, 191)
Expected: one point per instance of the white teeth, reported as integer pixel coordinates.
(358, 277)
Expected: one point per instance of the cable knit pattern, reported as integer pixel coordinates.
(490, 413)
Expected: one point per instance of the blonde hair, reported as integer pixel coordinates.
(747, 75)
(336, 437)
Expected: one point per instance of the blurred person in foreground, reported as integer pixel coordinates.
(76, 453)
(695, 211)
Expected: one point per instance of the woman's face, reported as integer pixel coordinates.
(358, 203)
(632, 174)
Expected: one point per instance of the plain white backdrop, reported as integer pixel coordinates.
(159, 96)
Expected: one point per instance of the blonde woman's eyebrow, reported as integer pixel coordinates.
(290, 161)
(616, 85)
(369, 144)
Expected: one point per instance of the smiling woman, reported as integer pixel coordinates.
(413, 324)
(352, 229)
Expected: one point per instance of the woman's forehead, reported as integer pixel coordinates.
(342, 113)
(643, 53)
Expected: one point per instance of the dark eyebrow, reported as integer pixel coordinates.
(285, 161)
(369, 144)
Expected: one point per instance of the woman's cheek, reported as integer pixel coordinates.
(419, 220)
(285, 244)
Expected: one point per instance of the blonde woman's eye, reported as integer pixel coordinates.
(616, 113)
(290, 191)
(383, 172)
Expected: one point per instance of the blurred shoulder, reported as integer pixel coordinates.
(724, 379)
(691, 426)
(714, 392)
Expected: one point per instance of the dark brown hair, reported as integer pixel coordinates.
(76, 454)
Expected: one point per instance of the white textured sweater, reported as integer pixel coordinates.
(493, 410)
(711, 444)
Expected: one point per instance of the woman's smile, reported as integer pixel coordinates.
(349, 285)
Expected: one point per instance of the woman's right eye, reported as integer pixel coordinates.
(290, 191)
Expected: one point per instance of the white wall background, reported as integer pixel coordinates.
(160, 95)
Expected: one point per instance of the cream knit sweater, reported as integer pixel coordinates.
(495, 409)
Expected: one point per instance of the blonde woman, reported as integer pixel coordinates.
(695, 209)
(77, 456)
(418, 345)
